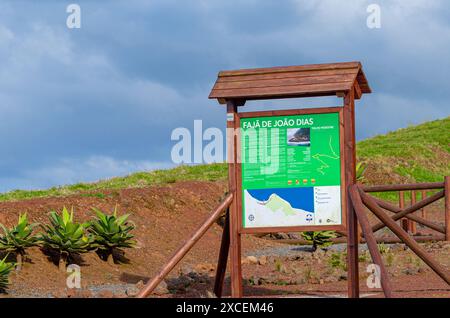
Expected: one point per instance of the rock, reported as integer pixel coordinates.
(180, 283)
(140, 284)
(132, 291)
(300, 281)
(262, 260)
(162, 289)
(251, 260)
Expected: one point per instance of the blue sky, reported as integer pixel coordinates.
(100, 101)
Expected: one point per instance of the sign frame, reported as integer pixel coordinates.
(301, 228)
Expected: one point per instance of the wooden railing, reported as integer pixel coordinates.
(361, 200)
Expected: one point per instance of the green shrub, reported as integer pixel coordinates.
(360, 169)
(319, 239)
(65, 236)
(5, 270)
(338, 260)
(111, 232)
(18, 238)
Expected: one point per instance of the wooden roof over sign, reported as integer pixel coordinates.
(290, 81)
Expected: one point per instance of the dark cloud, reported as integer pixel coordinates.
(102, 100)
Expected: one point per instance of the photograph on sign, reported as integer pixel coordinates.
(291, 170)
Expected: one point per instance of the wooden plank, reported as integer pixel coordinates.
(292, 90)
(383, 239)
(284, 75)
(403, 187)
(277, 69)
(284, 82)
(290, 112)
(350, 179)
(370, 239)
(288, 229)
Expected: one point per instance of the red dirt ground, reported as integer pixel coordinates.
(165, 217)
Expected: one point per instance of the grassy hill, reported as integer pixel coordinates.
(414, 154)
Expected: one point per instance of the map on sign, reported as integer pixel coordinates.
(291, 172)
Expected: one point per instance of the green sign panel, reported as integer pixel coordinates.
(291, 170)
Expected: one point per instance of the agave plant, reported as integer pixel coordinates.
(5, 270)
(65, 236)
(18, 238)
(111, 232)
(319, 238)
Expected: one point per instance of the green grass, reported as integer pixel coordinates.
(209, 172)
(413, 154)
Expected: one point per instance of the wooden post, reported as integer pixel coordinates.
(235, 236)
(401, 204)
(447, 207)
(424, 212)
(223, 257)
(350, 179)
(411, 224)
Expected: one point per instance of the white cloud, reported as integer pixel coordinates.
(70, 171)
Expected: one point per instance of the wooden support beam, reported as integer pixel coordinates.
(411, 209)
(397, 230)
(394, 209)
(223, 257)
(350, 179)
(403, 187)
(371, 241)
(235, 236)
(186, 247)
